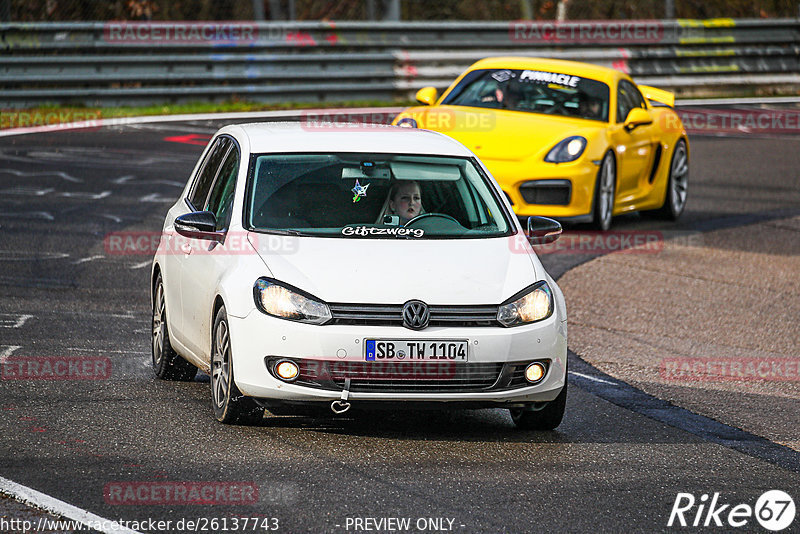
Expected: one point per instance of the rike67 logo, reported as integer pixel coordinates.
(774, 510)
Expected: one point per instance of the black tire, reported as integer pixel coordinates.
(230, 406)
(547, 418)
(677, 184)
(167, 364)
(604, 190)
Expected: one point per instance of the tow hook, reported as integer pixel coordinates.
(341, 406)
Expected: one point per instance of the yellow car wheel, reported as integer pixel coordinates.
(604, 190)
(677, 185)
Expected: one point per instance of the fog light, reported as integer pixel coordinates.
(534, 372)
(287, 370)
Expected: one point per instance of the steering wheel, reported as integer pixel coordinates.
(427, 215)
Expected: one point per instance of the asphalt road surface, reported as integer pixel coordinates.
(616, 464)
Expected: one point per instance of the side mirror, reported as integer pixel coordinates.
(542, 230)
(427, 96)
(199, 225)
(637, 117)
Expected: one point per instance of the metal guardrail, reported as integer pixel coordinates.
(132, 63)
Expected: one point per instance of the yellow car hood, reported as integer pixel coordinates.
(499, 134)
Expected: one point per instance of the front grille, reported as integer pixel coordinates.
(404, 376)
(392, 315)
(410, 376)
(547, 192)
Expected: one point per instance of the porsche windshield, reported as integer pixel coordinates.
(376, 196)
(534, 91)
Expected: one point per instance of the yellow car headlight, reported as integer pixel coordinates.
(569, 149)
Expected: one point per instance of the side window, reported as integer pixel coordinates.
(628, 97)
(220, 201)
(204, 179)
(623, 103)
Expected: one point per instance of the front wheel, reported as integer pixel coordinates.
(230, 406)
(547, 418)
(604, 191)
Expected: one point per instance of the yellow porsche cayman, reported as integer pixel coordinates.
(567, 140)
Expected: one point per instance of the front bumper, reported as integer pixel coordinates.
(580, 174)
(258, 338)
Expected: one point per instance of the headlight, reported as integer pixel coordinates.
(569, 149)
(407, 122)
(534, 304)
(286, 302)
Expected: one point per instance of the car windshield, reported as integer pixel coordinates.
(533, 91)
(357, 195)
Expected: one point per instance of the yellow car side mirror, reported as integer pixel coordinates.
(427, 96)
(637, 117)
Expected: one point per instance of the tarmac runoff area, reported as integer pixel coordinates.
(711, 324)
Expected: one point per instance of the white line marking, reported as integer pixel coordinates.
(60, 174)
(7, 352)
(15, 255)
(141, 265)
(123, 180)
(15, 321)
(28, 191)
(28, 215)
(734, 101)
(595, 379)
(172, 128)
(155, 197)
(250, 115)
(90, 258)
(50, 504)
(245, 115)
(77, 349)
(87, 195)
(112, 217)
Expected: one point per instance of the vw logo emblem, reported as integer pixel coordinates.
(416, 315)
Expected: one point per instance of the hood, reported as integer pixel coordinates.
(504, 135)
(393, 271)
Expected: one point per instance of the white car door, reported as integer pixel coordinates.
(178, 248)
(208, 260)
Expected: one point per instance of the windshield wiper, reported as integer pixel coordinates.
(278, 231)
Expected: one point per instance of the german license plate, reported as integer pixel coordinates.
(382, 350)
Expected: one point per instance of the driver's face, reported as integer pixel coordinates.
(407, 202)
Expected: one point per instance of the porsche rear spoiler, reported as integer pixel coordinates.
(658, 96)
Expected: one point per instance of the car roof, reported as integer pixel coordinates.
(332, 136)
(563, 66)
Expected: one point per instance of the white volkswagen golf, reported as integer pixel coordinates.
(379, 266)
